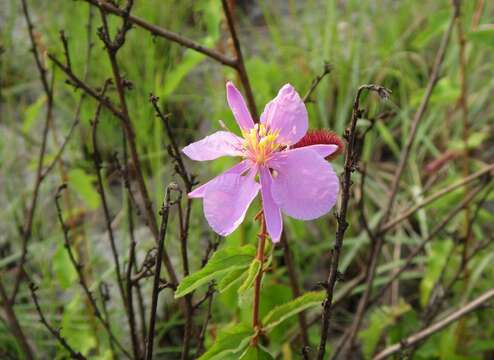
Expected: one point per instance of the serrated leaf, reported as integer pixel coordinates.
(291, 308)
(221, 263)
(229, 342)
(231, 279)
(63, 268)
(254, 268)
(256, 353)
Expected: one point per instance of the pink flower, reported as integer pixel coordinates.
(296, 181)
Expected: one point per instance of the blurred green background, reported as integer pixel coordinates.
(387, 42)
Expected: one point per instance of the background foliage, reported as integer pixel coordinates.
(391, 43)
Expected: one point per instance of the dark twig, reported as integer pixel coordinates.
(437, 229)
(395, 184)
(169, 35)
(164, 212)
(237, 63)
(349, 167)
(326, 70)
(184, 222)
(444, 191)
(48, 89)
(175, 153)
(60, 151)
(56, 333)
(108, 222)
(104, 294)
(438, 326)
(112, 47)
(79, 270)
(202, 335)
(239, 60)
(13, 323)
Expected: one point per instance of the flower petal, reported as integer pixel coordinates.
(272, 213)
(237, 169)
(220, 143)
(304, 185)
(238, 106)
(322, 149)
(287, 114)
(227, 199)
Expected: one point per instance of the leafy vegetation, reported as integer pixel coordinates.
(436, 250)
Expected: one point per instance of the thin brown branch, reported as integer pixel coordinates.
(395, 183)
(164, 33)
(349, 167)
(56, 333)
(326, 70)
(444, 191)
(112, 48)
(463, 102)
(164, 212)
(434, 232)
(256, 323)
(79, 270)
(239, 60)
(60, 151)
(202, 335)
(48, 90)
(438, 326)
(175, 151)
(14, 324)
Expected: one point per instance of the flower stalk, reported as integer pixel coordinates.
(262, 235)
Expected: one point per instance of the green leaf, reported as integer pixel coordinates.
(254, 268)
(230, 279)
(31, 113)
(63, 268)
(82, 183)
(387, 137)
(221, 263)
(256, 353)
(291, 308)
(380, 319)
(174, 78)
(436, 23)
(229, 342)
(484, 35)
(437, 255)
(76, 328)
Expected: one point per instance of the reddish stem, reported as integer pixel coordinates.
(256, 324)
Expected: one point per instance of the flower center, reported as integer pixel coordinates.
(260, 143)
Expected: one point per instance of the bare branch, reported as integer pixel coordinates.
(56, 333)
(438, 326)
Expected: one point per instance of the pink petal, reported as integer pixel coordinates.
(220, 143)
(272, 213)
(304, 184)
(237, 169)
(287, 114)
(322, 149)
(227, 199)
(238, 106)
